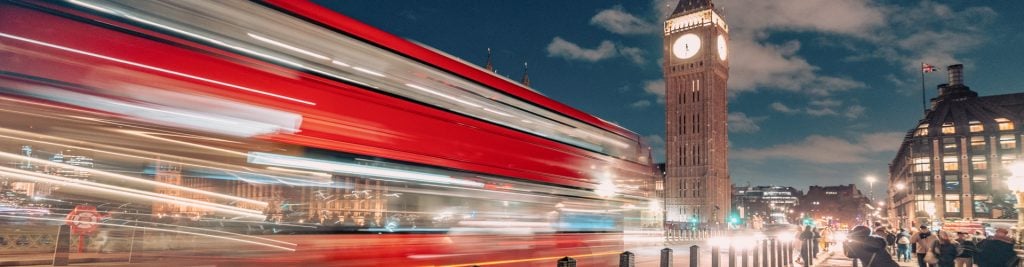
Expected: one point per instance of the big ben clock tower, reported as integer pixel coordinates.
(696, 49)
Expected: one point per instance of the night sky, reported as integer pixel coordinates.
(822, 91)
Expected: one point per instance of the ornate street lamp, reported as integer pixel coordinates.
(1016, 184)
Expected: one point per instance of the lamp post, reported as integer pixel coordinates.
(871, 187)
(895, 204)
(1015, 182)
(871, 198)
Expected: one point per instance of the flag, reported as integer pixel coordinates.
(925, 68)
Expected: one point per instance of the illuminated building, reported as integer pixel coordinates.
(775, 203)
(952, 163)
(843, 204)
(696, 71)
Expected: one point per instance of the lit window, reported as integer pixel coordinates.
(949, 163)
(1004, 124)
(978, 143)
(1008, 159)
(978, 162)
(1007, 141)
(922, 130)
(922, 164)
(947, 128)
(952, 203)
(976, 126)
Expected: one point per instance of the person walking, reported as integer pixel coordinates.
(890, 240)
(923, 240)
(903, 246)
(806, 248)
(869, 249)
(945, 248)
(967, 250)
(826, 238)
(997, 250)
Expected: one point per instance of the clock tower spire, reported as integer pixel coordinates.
(698, 187)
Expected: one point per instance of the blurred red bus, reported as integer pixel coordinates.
(282, 132)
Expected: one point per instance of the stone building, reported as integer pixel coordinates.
(952, 164)
(696, 69)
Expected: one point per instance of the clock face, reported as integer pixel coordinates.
(686, 46)
(723, 51)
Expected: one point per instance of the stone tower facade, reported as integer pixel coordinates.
(696, 67)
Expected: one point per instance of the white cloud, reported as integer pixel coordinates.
(633, 54)
(850, 17)
(776, 106)
(820, 111)
(640, 104)
(618, 21)
(826, 149)
(854, 111)
(827, 102)
(561, 48)
(740, 123)
(656, 88)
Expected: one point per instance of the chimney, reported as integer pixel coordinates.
(956, 75)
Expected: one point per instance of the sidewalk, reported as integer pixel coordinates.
(839, 260)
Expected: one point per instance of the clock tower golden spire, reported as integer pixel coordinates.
(698, 187)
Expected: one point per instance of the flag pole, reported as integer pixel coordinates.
(924, 106)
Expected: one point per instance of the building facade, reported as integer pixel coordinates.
(696, 67)
(834, 205)
(952, 164)
(773, 204)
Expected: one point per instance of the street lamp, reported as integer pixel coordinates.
(1016, 184)
(871, 187)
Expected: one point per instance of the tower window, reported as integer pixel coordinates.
(948, 128)
(1004, 124)
(922, 130)
(976, 127)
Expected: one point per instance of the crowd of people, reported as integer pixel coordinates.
(884, 246)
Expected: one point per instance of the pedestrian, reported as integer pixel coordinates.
(923, 240)
(945, 248)
(890, 240)
(869, 249)
(806, 246)
(997, 250)
(826, 237)
(967, 250)
(903, 246)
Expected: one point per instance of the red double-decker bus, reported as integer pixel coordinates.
(280, 132)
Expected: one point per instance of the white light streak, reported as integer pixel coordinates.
(347, 168)
(161, 230)
(421, 88)
(287, 46)
(19, 38)
(374, 73)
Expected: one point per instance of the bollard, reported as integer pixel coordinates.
(775, 254)
(779, 255)
(715, 257)
(627, 259)
(567, 262)
(61, 253)
(743, 255)
(764, 253)
(788, 254)
(757, 256)
(666, 257)
(694, 256)
(732, 255)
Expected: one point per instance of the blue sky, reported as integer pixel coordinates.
(821, 91)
